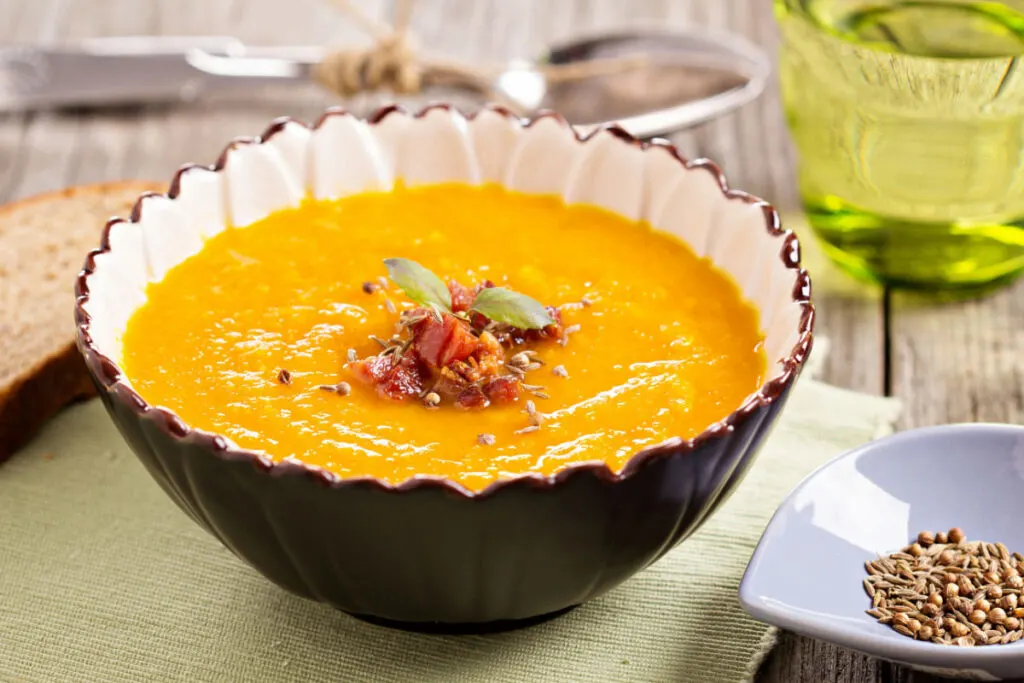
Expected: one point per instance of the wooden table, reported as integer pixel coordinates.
(949, 363)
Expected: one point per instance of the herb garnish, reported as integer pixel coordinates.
(497, 303)
(511, 308)
(419, 284)
(451, 347)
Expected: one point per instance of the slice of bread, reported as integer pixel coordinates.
(43, 243)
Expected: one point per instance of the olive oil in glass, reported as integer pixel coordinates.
(909, 122)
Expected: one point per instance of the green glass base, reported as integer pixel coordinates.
(957, 259)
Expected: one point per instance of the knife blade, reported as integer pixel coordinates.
(131, 70)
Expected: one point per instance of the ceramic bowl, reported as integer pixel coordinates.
(427, 553)
(806, 573)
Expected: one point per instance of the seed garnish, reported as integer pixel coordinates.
(390, 306)
(527, 430)
(571, 329)
(432, 399)
(341, 388)
(536, 418)
(486, 439)
(284, 377)
(352, 356)
(560, 371)
(948, 590)
(370, 287)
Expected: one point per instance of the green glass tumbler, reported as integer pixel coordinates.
(908, 118)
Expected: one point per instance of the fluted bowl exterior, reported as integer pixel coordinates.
(426, 550)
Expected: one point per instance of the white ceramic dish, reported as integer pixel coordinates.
(806, 573)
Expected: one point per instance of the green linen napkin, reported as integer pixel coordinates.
(102, 579)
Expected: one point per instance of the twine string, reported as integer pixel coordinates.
(393, 62)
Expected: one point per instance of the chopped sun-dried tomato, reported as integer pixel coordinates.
(502, 389)
(472, 397)
(395, 379)
(440, 343)
(552, 331)
(462, 296)
(456, 360)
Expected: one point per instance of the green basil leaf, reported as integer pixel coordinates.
(511, 308)
(419, 284)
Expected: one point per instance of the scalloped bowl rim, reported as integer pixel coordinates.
(111, 378)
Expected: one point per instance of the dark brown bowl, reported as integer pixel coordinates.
(428, 553)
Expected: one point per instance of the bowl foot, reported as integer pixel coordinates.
(443, 628)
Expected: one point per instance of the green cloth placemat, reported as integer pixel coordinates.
(102, 579)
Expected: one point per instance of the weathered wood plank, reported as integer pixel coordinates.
(959, 362)
(45, 151)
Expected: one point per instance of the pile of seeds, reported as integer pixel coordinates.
(949, 590)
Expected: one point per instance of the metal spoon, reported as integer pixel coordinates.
(688, 77)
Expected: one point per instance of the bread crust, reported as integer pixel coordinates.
(52, 382)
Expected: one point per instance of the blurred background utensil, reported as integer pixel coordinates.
(687, 77)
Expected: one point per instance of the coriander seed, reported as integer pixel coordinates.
(958, 629)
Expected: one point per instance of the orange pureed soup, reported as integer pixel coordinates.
(658, 343)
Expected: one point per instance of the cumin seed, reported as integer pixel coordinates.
(284, 377)
(341, 388)
(536, 418)
(571, 329)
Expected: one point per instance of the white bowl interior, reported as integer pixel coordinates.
(346, 155)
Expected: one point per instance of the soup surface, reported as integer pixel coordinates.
(664, 346)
